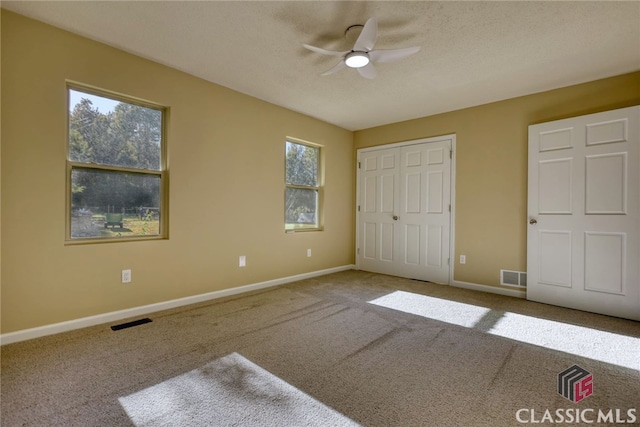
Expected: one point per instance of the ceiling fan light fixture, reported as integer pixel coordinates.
(356, 59)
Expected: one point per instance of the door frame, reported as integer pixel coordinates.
(452, 215)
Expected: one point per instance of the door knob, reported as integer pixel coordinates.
(533, 221)
(395, 217)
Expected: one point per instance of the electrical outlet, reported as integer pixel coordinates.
(463, 259)
(308, 253)
(126, 276)
(242, 261)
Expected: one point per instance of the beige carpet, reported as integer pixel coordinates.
(344, 349)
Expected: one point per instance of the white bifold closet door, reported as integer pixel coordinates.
(583, 244)
(404, 217)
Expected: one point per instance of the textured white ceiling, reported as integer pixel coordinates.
(472, 52)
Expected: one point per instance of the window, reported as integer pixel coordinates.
(302, 182)
(115, 168)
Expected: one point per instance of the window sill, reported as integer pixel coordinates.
(303, 230)
(89, 241)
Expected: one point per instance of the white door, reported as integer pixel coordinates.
(404, 216)
(583, 248)
(378, 206)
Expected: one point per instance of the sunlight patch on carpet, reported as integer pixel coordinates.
(229, 391)
(447, 311)
(608, 347)
(605, 346)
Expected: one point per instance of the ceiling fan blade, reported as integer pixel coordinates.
(367, 37)
(390, 55)
(368, 71)
(339, 66)
(324, 51)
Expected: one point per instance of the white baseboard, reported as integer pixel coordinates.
(84, 322)
(517, 293)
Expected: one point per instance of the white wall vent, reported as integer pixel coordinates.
(513, 278)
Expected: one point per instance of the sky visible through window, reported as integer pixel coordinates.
(104, 105)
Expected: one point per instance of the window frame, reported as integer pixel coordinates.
(162, 172)
(318, 188)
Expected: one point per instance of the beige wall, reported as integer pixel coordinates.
(226, 163)
(491, 166)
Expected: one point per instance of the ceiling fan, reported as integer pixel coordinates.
(362, 56)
